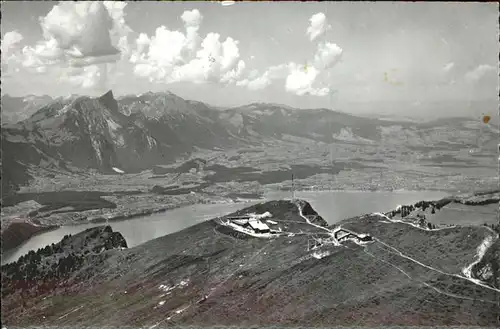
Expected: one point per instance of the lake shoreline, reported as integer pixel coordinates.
(174, 217)
(25, 231)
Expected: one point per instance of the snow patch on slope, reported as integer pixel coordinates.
(481, 250)
(63, 110)
(95, 145)
(113, 125)
(120, 141)
(151, 141)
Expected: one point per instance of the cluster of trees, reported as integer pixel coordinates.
(406, 210)
(65, 238)
(25, 275)
(424, 205)
(68, 264)
(38, 267)
(441, 203)
(35, 256)
(50, 250)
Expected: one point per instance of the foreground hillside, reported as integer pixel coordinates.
(377, 269)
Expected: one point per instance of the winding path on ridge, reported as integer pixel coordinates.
(491, 239)
(388, 248)
(399, 253)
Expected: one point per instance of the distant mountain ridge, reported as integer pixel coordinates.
(15, 109)
(134, 133)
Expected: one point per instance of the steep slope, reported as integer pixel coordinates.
(84, 132)
(181, 123)
(100, 133)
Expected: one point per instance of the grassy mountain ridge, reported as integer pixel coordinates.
(203, 275)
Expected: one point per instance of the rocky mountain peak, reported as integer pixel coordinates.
(108, 100)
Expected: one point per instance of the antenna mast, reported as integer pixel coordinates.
(293, 189)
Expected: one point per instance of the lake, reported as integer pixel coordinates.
(333, 206)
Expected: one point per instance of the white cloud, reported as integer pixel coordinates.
(92, 60)
(119, 32)
(448, 67)
(192, 21)
(79, 29)
(174, 56)
(480, 72)
(10, 41)
(80, 34)
(327, 55)
(234, 74)
(300, 81)
(11, 51)
(317, 26)
(256, 82)
(88, 77)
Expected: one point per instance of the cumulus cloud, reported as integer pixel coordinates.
(327, 55)
(192, 21)
(258, 82)
(299, 79)
(120, 30)
(10, 41)
(11, 50)
(317, 26)
(80, 34)
(174, 56)
(302, 79)
(88, 77)
(480, 72)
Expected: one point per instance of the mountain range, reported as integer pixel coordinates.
(15, 109)
(137, 132)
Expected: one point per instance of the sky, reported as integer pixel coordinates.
(303, 54)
